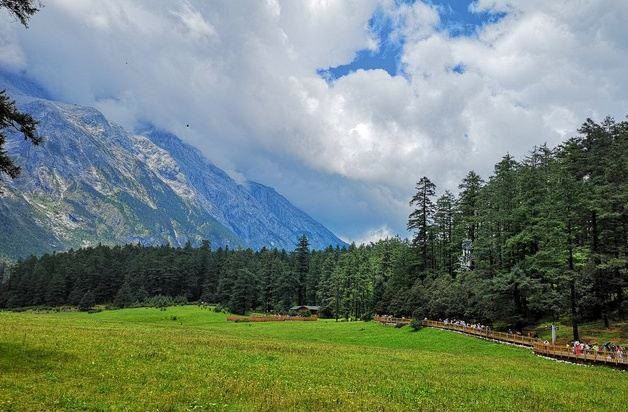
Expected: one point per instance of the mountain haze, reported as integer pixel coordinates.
(94, 182)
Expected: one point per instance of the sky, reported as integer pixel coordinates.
(340, 105)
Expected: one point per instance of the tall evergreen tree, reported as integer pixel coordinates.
(87, 301)
(469, 203)
(444, 216)
(420, 219)
(124, 297)
(301, 268)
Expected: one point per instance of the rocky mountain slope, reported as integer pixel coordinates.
(93, 181)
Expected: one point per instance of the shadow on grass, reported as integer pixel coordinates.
(18, 357)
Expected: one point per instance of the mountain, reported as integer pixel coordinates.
(94, 182)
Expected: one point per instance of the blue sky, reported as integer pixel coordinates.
(457, 19)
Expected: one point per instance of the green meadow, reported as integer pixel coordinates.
(189, 358)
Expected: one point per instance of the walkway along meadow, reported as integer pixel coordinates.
(538, 346)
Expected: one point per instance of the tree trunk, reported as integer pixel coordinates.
(572, 286)
(594, 235)
(517, 299)
(620, 301)
(574, 312)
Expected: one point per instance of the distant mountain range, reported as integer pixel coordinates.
(94, 182)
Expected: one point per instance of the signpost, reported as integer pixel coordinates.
(465, 259)
(554, 329)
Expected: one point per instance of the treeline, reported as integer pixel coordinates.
(543, 237)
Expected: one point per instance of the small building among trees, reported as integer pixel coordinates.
(304, 308)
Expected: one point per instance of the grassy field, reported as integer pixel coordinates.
(187, 358)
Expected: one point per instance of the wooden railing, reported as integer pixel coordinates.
(539, 347)
(486, 333)
(586, 356)
(389, 320)
(269, 318)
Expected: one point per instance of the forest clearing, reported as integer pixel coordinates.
(189, 357)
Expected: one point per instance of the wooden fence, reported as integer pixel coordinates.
(615, 359)
(269, 318)
(389, 320)
(539, 347)
(486, 333)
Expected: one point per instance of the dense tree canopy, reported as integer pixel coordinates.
(548, 238)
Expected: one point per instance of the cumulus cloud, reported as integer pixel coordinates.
(373, 236)
(348, 151)
(11, 55)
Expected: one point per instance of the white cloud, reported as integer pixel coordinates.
(373, 235)
(244, 79)
(11, 54)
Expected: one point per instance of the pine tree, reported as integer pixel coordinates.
(243, 295)
(469, 203)
(10, 116)
(124, 297)
(467, 218)
(421, 218)
(444, 231)
(87, 301)
(56, 291)
(326, 296)
(301, 268)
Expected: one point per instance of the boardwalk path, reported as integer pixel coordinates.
(538, 346)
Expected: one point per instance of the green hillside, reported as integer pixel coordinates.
(188, 358)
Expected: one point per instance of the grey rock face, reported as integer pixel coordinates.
(94, 182)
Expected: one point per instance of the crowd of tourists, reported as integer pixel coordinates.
(610, 350)
(477, 326)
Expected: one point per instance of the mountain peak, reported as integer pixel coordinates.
(93, 182)
(20, 83)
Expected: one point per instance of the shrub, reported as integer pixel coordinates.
(293, 313)
(207, 297)
(366, 317)
(306, 314)
(180, 300)
(399, 325)
(87, 301)
(415, 324)
(219, 308)
(159, 301)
